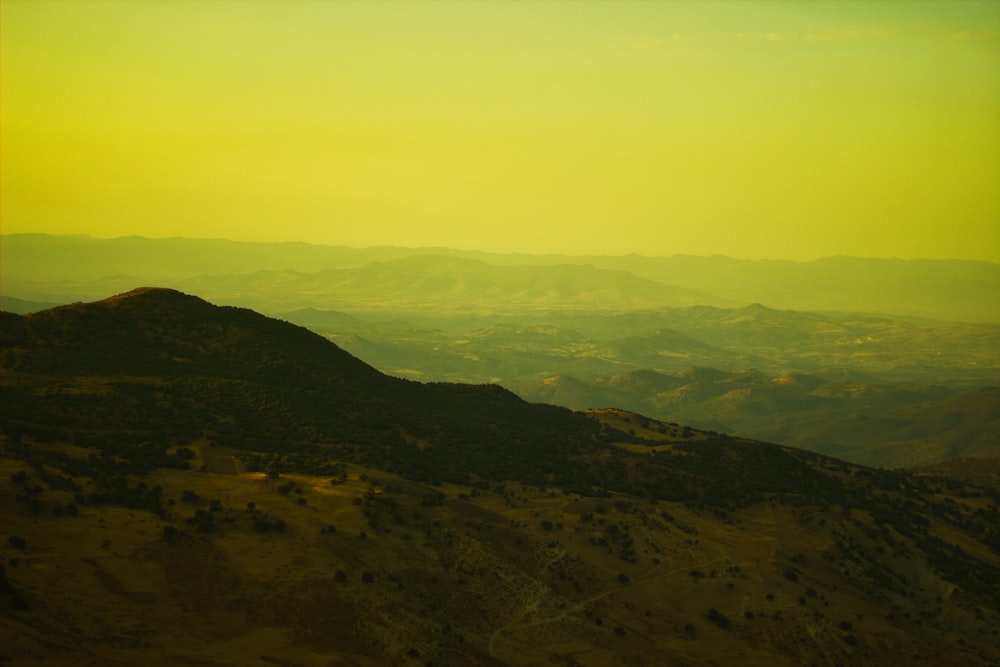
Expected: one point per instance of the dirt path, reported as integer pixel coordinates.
(533, 604)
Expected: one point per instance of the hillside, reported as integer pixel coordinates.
(885, 425)
(179, 368)
(984, 471)
(182, 483)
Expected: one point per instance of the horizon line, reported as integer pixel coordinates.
(450, 249)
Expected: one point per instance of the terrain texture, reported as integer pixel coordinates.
(184, 483)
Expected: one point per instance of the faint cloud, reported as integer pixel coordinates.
(702, 43)
(876, 32)
(690, 43)
(972, 36)
(644, 43)
(820, 36)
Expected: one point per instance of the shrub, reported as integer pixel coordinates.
(718, 618)
(171, 535)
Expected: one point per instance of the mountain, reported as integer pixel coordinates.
(442, 285)
(191, 484)
(70, 268)
(279, 277)
(183, 368)
(959, 290)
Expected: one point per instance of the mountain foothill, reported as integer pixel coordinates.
(189, 483)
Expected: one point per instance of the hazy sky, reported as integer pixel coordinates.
(764, 130)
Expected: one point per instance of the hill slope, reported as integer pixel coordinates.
(885, 425)
(172, 366)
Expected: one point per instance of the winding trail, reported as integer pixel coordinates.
(533, 604)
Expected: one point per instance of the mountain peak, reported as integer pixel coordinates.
(153, 329)
(146, 293)
(139, 291)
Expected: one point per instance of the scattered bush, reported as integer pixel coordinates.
(719, 619)
(171, 535)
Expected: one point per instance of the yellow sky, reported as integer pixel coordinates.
(764, 130)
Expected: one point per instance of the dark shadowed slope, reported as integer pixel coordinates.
(180, 367)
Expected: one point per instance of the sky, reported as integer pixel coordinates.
(781, 130)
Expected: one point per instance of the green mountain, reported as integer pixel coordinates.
(190, 484)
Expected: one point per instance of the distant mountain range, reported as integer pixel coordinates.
(260, 275)
(187, 483)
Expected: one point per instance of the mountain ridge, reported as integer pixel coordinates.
(956, 290)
